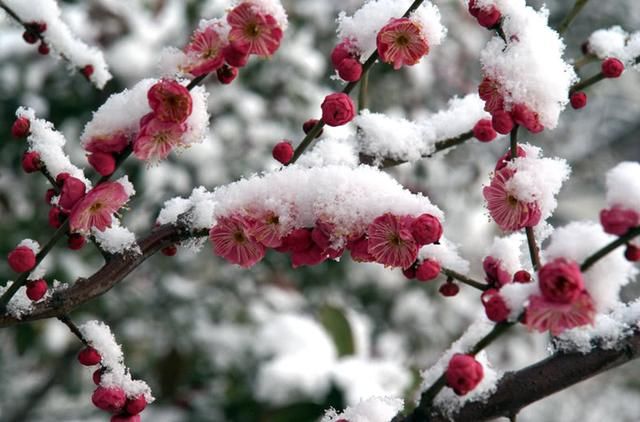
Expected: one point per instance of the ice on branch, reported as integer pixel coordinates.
(59, 37)
(361, 29)
(603, 280)
(400, 139)
(615, 42)
(49, 144)
(120, 120)
(116, 374)
(374, 409)
(447, 400)
(527, 75)
(607, 332)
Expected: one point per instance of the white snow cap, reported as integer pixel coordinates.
(623, 186)
(60, 39)
(615, 42)
(116, 239)
(383, 136)
(538, 179)
(49, 144)
(362, 28)
(19, 304)
(374, 409)
(603, 280)
(508, 251)
(100, 337)
(446, 253)
(529, 68)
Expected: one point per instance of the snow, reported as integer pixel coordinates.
(116, 239)
(19, 304)
(508, 250)
(446, 253)
(100, 337)
(331, 151)
(530, 68)
(374, 409)
(31, 244)
(623, 186)
(49, 144)
(383, 136)
(363, 27)
(516, 296)
(538, 179)
(603, 280)
(273, 8)
(60, 39)
(615, 42)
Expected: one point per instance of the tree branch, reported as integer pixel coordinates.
(114, 271)
(518, 389)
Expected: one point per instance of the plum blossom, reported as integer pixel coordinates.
(170, 101)
(401, 42)
(156, 138)
(204, 52)
(545, 315)
(391, 242)
(251, 27)
(509, 212)
(232, 240)
(97, 207)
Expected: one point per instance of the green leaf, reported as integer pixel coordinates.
(337, 325)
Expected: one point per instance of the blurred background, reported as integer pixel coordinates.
(220, 343)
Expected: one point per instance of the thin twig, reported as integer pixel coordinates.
(575, 10)
(534, 250)
(601, 253)
(363, 91)
(464, 279)
(73, 328)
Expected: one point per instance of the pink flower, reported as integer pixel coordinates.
(298, 240)
(104, 163)
(266, 229)
(111, 399)
(22, 259)
(232, 240)
(612, 67)
(484, 131)
(359, 249)
(170, 101)
(349, 69)
(259, 31)
(509, 212)
(321, 236)
(73, 189)
(495, 307)
(391, 242)
(542, 315)
(495, 274)
(561, 281)
(97, 207)
(428, 270)
(489, 91)
(113, 143)
(156, 139)
(618, 220)
(524, 116)
(337, 109)
(463, 374)
(311, 256)
(506, 157)
(502, 122)
(204, 52)
(426, 229)
(400, 42)
(341, 52)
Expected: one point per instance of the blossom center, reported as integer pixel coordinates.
(402, 40)
(239, 237)
(252, 30)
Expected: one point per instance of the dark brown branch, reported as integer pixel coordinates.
(464, 279)
(114, 271)
(439, 146)
(518, 389)
(604, 251)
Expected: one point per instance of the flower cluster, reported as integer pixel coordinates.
(224, 45)
(463, 373)
(390, 240)
(564, 302)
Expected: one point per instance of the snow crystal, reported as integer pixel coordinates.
(172, 209)
(603, 280)
(331, 151)
(100, 337)
(401, 139)
(127, 185)
(31, 244)
(446, 253)
(59, 37)
(116, 239)
(623, 186)
(362, 28)
(530, 68)
(538, 179)
(49, 143)
(273, 8)
(508, 251)
(615, 42)
(374, 409)
(19, 304)
(450, 402)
